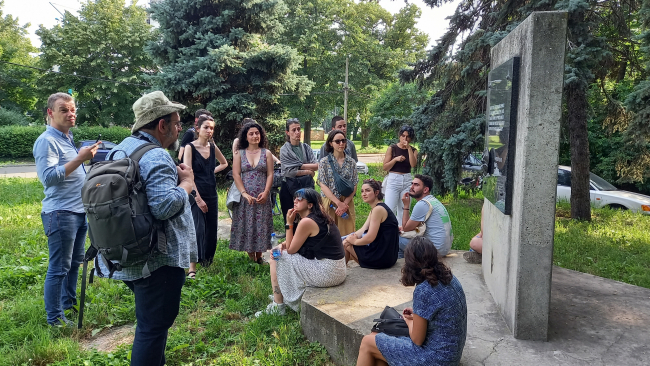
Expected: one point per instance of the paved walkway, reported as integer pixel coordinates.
(21, 171)
(592, 321)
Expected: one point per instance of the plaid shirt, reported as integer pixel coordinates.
(347, 171)
(166, 199)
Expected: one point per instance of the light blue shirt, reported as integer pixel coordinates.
(438, 225)
(167, 202)
(52, 150)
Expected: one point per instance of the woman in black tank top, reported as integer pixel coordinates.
(400, 158)
(312, 256)
(205, 208)
(376, 244)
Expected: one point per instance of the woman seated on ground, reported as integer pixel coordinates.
(313, 256)
(376, 244)
(437, 322)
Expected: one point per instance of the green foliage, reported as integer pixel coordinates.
(215, 326)
(17, 84)
(105, 41)
(378, 43)
(216, 55)
(18, 141)
(10, 117)
(393, 109)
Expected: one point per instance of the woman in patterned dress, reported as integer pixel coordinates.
(252, 220)
(335, 203)
(437, 322)
(312, 256)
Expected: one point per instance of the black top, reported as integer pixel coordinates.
(329, 248)
(203, 168)
(400, 166)
(188, 137)
(382, 252)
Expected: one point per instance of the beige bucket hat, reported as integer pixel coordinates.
(152, 106)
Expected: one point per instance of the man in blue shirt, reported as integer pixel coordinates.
(158, 295)
(438, 224)
(60, 169)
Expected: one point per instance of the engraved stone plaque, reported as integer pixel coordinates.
(500, 134)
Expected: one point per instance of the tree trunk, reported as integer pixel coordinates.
(365, 134)
(577, 117)
(307, 138)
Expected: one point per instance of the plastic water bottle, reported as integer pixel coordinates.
(345, 214)
(275, 253)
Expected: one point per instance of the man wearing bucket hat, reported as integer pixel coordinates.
(157, 297)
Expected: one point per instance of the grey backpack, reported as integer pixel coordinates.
(121, 226)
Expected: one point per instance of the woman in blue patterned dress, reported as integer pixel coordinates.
(252, 170)
(437, 322)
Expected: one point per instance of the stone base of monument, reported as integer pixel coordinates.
(593, 321)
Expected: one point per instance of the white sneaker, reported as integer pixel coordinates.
(271, 297)
(272, 308)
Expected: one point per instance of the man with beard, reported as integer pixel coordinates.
(438, 225)
(157, 297)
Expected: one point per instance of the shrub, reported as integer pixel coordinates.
(18, 141)
(10, 117)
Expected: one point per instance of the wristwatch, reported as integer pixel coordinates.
(193, 193)
(287, 226)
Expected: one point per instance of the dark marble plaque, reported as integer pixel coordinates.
(500, 134)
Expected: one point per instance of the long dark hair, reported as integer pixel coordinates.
(421, 264)
(330, 138)
(314, 198)
(243, 142)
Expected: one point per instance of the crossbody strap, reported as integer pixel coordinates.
(430, 210)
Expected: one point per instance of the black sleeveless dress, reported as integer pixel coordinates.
(381, 253)
(206, 184)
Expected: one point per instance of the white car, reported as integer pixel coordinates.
(361, 167)
(602, 193)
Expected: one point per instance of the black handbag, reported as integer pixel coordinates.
(294, 184)
(391, 323)
(344, 186)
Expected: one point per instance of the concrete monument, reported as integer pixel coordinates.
(519, 218)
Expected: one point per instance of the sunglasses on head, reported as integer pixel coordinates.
(341, 141)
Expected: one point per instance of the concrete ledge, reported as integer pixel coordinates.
(593, 320)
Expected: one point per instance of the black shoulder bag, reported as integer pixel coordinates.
(391, 323)
(344, 186)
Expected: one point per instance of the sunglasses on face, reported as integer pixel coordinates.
(341, 141)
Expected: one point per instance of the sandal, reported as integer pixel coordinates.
(191, 275)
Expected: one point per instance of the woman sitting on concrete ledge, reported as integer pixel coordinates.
(376, 244)
(437, 322)
(312, 256)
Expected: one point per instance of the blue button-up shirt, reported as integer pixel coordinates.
(52, 150)
(167, 202)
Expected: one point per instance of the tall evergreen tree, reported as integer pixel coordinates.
(216, 55)
(452, 119)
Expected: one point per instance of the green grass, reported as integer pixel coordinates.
(216, 325)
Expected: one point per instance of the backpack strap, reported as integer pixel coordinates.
(139, 152)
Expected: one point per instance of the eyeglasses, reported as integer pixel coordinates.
(299, 198)
(177, 124)
(341, 141)
(292, 120)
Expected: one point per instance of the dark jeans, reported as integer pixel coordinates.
(286, 201)
(66, 237)
(157, 301)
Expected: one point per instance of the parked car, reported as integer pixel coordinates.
(361, 167)
(104, 148)
(602, 193)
